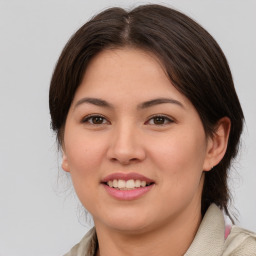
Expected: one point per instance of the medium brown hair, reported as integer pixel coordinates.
(193, 61)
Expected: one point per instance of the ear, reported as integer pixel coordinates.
(217, 144)
(65, 165)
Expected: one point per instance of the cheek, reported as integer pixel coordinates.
(84, 151)
(84, 157)
(182, 150)
(180, 157)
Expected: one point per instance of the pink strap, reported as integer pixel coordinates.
(227, 231)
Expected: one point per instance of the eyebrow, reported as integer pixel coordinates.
(158, 101)
(146, 104)
(94, 101)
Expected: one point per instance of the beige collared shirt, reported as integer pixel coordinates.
(209, 240)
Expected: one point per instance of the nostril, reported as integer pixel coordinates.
(124, 161)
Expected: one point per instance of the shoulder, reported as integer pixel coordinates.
(240, 242)
(86, 247)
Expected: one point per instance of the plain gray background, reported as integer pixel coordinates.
(38, 215)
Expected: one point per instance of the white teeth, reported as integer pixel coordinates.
(121, 184)
(130, 184)
(143, 183)
(115, 183)
(137, 183)
(126, 185)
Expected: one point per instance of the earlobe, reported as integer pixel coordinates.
(217, 144)
(65, 165)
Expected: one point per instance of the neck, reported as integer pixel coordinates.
(170, 239)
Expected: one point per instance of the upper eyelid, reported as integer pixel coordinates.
(162, 115)
(93, 115)
(168, 120)
(87, 117)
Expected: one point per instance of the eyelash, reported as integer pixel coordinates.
(167, 120)
(89, 119)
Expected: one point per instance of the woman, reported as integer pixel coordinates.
(148, 120)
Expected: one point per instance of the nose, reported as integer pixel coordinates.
(126, 145)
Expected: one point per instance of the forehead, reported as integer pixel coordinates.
(130, 62)
(126, 55)
(127, 72)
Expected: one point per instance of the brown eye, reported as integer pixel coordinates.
(95, 120)
(159, 120)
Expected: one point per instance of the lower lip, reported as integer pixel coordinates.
(127, 194)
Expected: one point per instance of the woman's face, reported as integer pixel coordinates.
(128, 127)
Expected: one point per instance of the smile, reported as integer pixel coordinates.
(127, 185)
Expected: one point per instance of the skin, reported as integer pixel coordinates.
(174, 152)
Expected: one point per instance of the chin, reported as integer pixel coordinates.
(130, 228)
(125, 221)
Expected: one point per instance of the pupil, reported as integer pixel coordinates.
(97, 120)
(159, 120)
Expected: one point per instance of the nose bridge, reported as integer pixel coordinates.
(126, 144)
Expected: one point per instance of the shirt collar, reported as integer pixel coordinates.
(209, 239)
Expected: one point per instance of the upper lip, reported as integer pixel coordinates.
(126, 176)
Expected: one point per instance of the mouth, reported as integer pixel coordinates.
(130, 184)
(127, 186)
